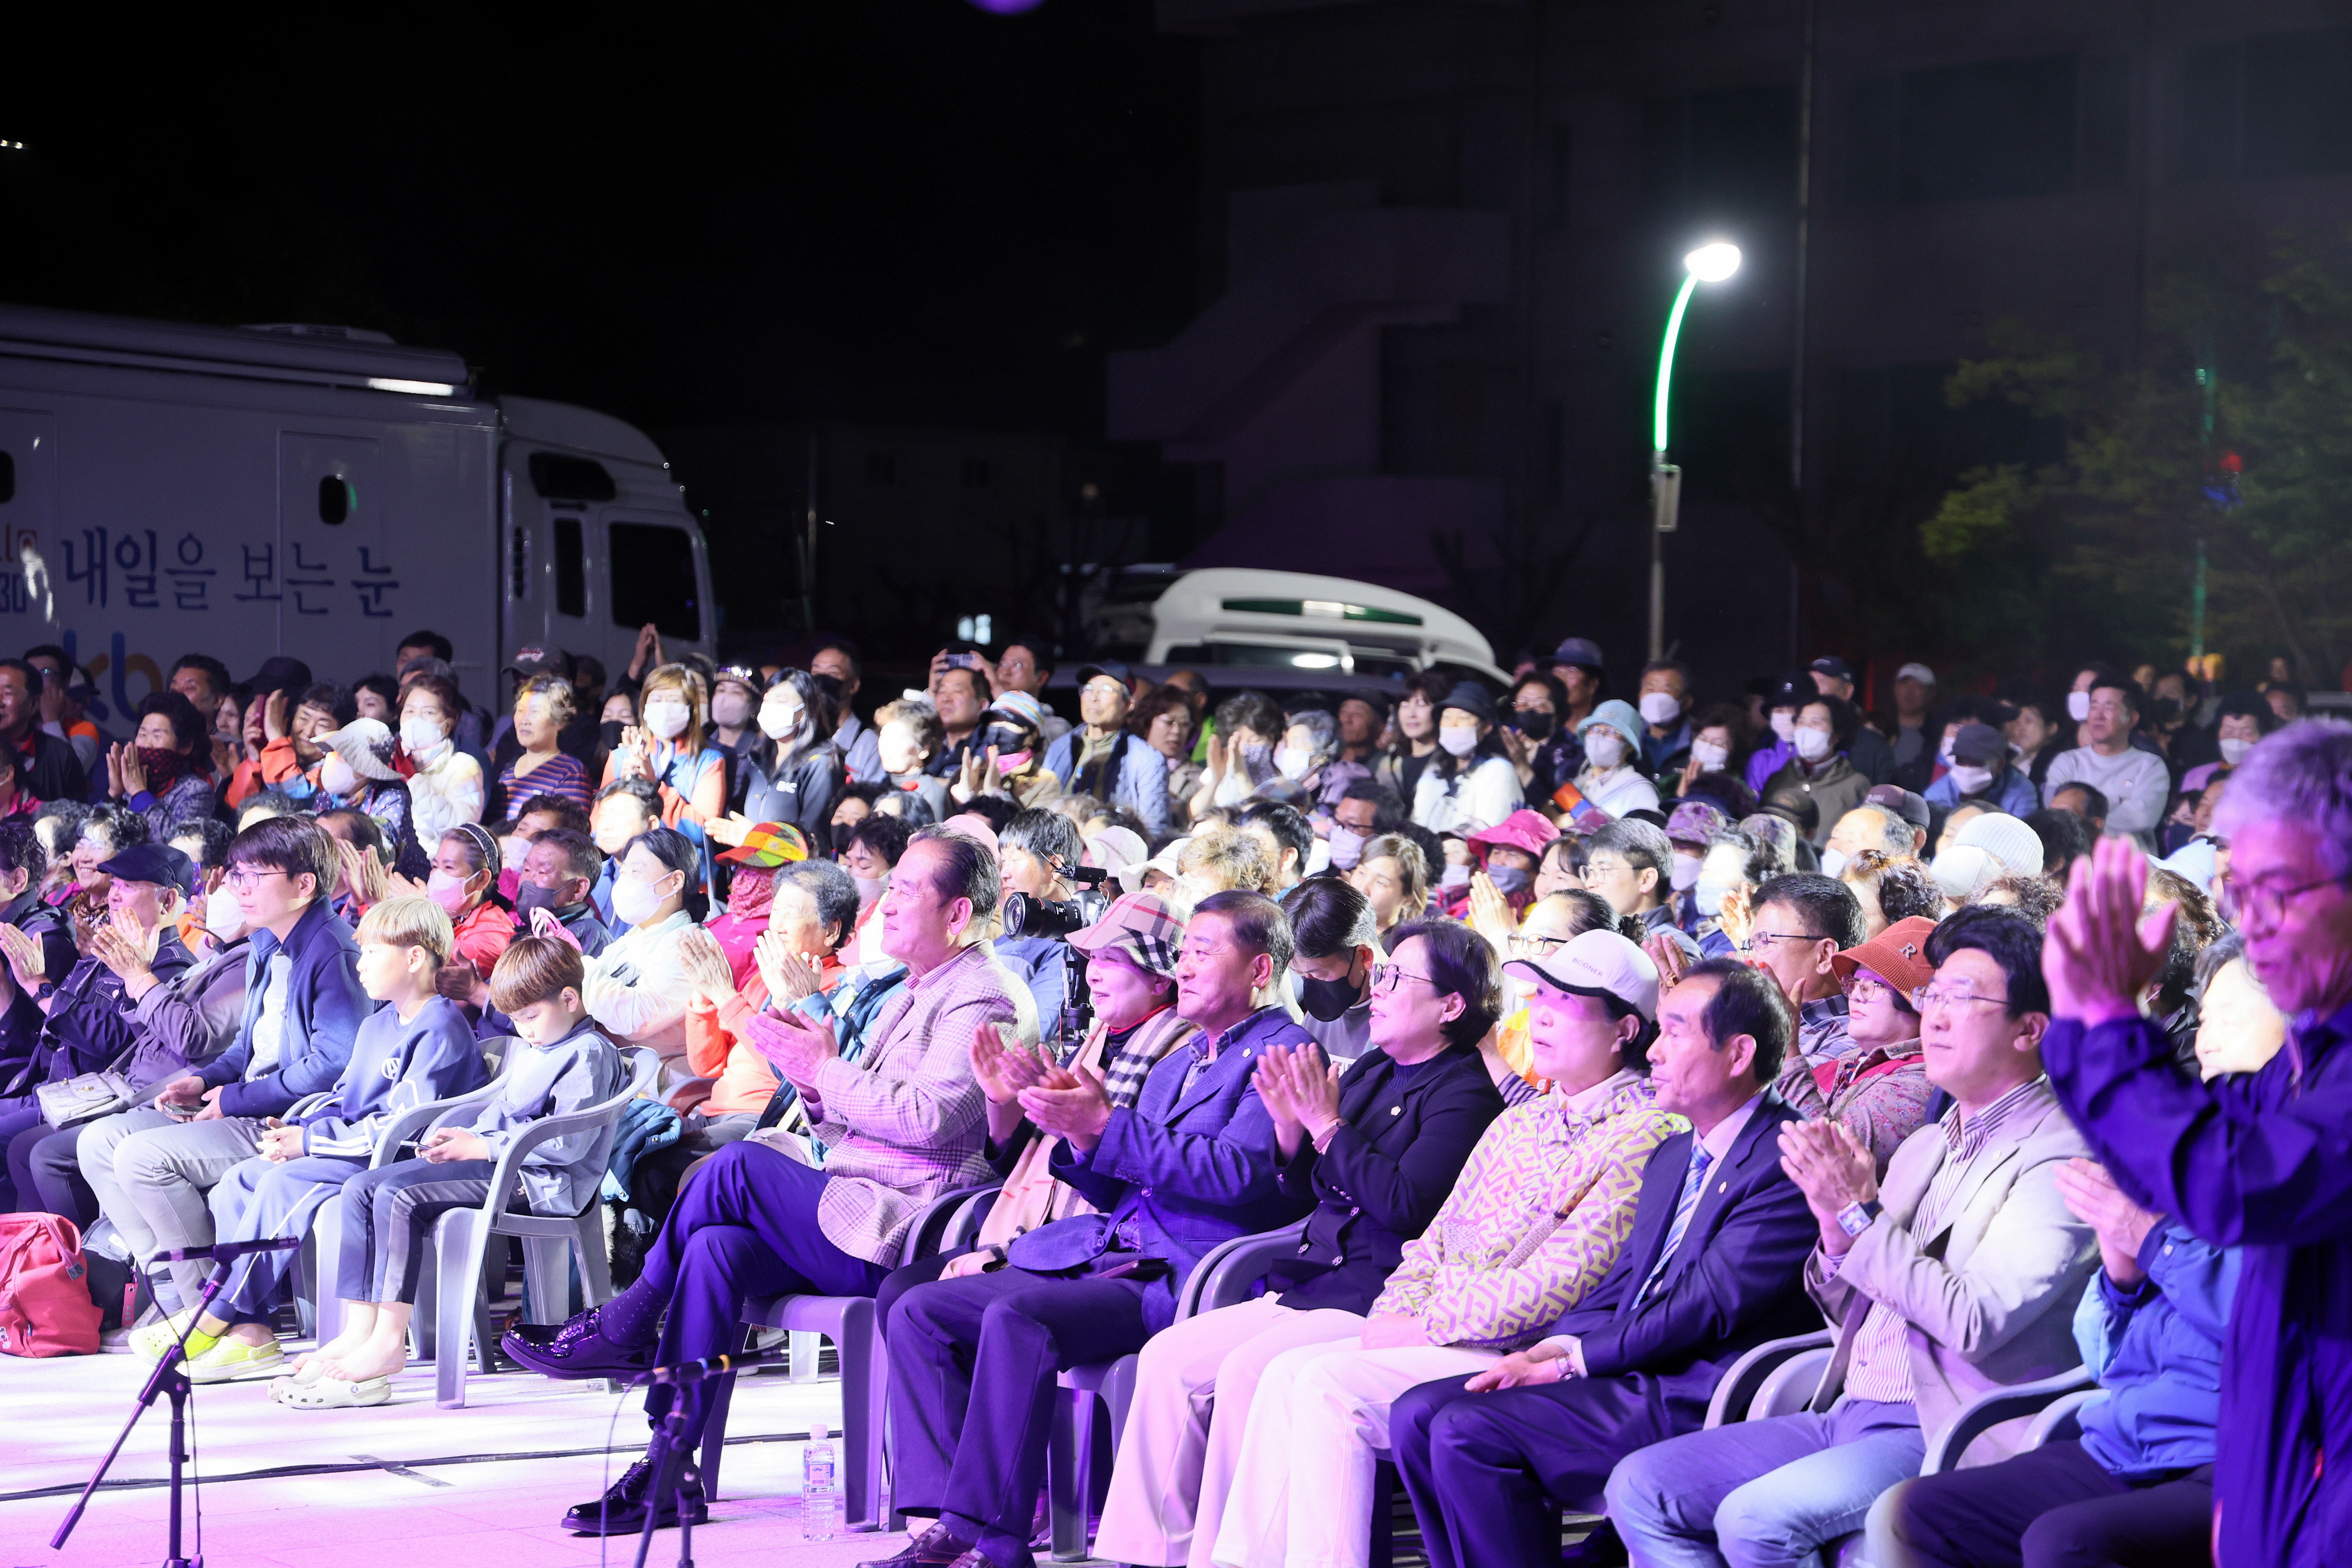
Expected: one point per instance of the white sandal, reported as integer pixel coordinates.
(333, 1393)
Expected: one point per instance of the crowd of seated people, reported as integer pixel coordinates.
(1577, 1046)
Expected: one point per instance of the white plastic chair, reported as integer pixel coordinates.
(461, 1239)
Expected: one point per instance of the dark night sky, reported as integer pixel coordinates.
(904, 210)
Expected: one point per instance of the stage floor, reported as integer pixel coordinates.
(408, 1504)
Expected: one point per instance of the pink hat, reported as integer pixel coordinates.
(1523, 829)
(971, 824)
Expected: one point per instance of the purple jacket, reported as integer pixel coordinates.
(2262, 1160)
(1764, 764)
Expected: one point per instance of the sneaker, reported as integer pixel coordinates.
(622, 1510)
(151, 1340)
(575, 1348)
(233, 1361)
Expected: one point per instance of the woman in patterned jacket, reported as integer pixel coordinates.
(1532, 1224)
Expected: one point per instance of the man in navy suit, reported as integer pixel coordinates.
(1715, 1266)
(1190, 1166)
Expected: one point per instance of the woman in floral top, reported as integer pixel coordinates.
(1532, 1224)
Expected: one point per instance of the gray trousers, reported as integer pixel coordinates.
(152, 1173)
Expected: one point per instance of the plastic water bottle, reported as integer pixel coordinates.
(820, 1495)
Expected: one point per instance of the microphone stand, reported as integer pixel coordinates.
(171, 1378)
(670, 1450)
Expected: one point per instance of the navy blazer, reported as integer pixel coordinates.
(1184, 1169)
(324, 1008)
(1737, 1280)
(1389, 1168)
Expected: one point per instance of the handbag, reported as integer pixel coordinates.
(83, 1098)
(1068, 1248)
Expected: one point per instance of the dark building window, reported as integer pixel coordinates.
(1996, 129)
(2279, 103)
(1728, 153)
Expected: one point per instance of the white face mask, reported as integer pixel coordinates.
(1970, 781)
(422, 739)
(1459, 738)
(869, 888)
(223, 918)
(335, 775)
(1832, 862)
(1684, 875)
(666, 720)
(1710, 758)
(2078, 706)
(1605, 749)
(2233, 751)
(730, 708)
(1813, 745)
(1660, 708)
(781, 721)
(1292, 761)
(635, 900)
(1784, 724)
(1708, 894)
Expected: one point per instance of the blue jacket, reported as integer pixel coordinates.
(2010, 791)
(2255, 1161)
(2156, 1350)
(1187, 1169)
(324, 1006)
(394, 1066)
(1142, 785)
(1737, 1280)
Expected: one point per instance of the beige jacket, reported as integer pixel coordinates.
(1990, 1297)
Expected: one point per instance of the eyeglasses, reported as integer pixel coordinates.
(1927, 996)
(1387, 977)
(2264, 902)
(245, 879)
(1535, 946)
(1765, 938)
(1594, 869)
(1866, 988)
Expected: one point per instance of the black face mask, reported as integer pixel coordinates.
(530, 896)
(1327, 999)
(841, 832)
(1535, 725)
(2168, 708)
(609, 732)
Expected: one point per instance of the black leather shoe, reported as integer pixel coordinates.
(936, 1547)
(575, 1347)
(622, 1510)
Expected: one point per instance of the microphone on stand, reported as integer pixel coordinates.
(712, 1366)
(221, 1251)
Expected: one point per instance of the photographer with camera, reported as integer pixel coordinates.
(1038, 857)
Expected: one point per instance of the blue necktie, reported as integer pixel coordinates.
(1694, 1184)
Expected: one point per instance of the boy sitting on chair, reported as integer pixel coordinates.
(416, 1049)
(389, 1213)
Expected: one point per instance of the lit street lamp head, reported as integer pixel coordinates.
(1713, 263)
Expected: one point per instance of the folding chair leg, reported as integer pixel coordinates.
(303, 1279)
(456, 1300)
(324, 1245)
(1069, 1453)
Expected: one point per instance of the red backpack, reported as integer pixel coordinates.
(45, 1304)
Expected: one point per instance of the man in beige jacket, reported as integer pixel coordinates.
(1959, 1275)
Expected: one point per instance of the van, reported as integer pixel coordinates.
(1289, 622)
(320, 492)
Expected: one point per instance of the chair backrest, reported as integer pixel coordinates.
(1790, 1386)
(1224, 1276)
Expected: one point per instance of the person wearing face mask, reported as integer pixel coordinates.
(1309, 758)
(1332, 970)
(358, 774)
(444, 785)
(463, 880)
(907, 734)
(1691, 826)
(1664, 703)
(1503, 885)
(165, 773)
(669, 749)
(1470, 784)
(557, 872)
(1240, 750)
(1790, 694)
(1542, 747)
(1714, 745)
(2245, 718)
(1365, 811)
(1820, 769)
(873, 850)
(1981, 771)
(790, 773)
(639, 989)
(734, 698)
(1612, 781)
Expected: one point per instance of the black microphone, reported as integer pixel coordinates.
(713, 1367)
(221, 1251)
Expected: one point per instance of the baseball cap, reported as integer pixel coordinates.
(1794, 690)
(540, 659)
(1138, 925)
(1581, 652)
(280, 673)
(768, 845)
(1597, 963)
(1908, 805)
(1977, 745)
(1897, 955)
(1113, 667)
(1916, 671)
(1470, 697)
(1833, 667)
(157, 863)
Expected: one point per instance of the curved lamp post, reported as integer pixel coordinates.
(1707, 264)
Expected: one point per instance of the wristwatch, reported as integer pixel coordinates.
(1855, 1218)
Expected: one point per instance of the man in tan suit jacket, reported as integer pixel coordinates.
(1959, 1275)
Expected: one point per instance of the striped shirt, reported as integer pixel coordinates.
(1881, 1369)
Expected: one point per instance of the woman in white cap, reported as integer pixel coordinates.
(356, 774)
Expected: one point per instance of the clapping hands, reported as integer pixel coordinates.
(1834, 1171)
(1301, 1091)
(790, 976)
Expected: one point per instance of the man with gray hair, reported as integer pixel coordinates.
(1866, 827)
(1630, 864)
(2250, 1159)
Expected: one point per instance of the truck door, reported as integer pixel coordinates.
(28, 450)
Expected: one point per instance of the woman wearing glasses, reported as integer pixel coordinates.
(1376, 1149)
(1877, 1089)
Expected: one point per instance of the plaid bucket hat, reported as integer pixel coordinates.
(1140, 925)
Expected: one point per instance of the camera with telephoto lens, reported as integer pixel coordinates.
(1023, 916)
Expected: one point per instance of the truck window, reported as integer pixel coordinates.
(571, 569)
(560, 478)
(653, 579)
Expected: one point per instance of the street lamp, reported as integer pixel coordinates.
(1707, 264)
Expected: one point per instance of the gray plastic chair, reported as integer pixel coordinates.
(461, 1240)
